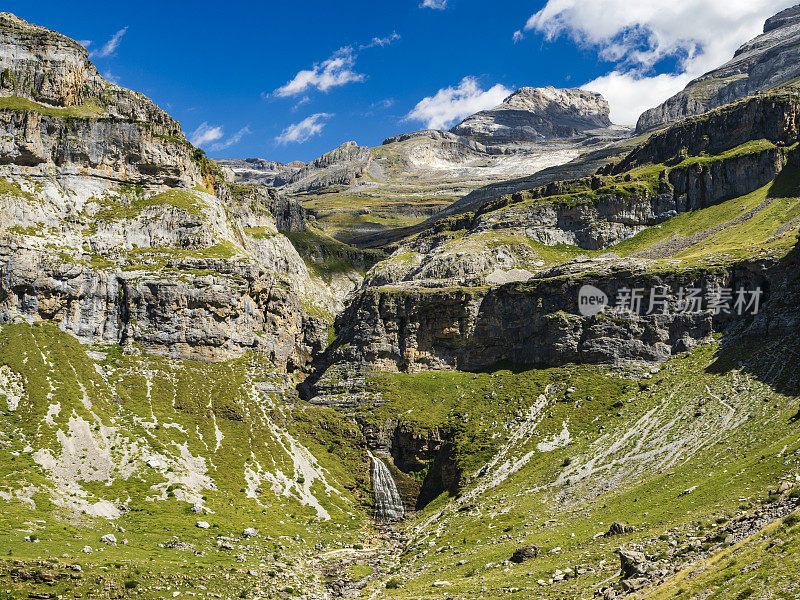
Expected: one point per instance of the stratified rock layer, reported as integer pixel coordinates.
(115, 227)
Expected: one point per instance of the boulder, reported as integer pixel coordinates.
(525, 553)
(633, 584)
(618, 528)
(632, 562)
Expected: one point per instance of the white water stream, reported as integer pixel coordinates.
(388, 505)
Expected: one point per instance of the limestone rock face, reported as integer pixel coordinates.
(771, 117)
(550, 215)
(471, 292)
(536, 322)
(58, 114)
(763, 63)
(341, 166)
(257, 170)
(114, 227)
(103, 147)
(537, 114)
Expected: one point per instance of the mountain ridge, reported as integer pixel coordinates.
(760, 64)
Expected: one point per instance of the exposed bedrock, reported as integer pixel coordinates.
(611, 218)
(536, 322)
(763, 63)
(423, 460)
(774, 117)
(214, 316)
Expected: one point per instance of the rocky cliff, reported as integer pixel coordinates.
(60, 115)
(257, 170)
(536, 322)
(549, 449)
(117, 229)
(501, 283)
(763, 63)
(537, 114)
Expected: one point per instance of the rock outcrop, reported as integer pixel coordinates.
(59, 115)
(696, 168)
(418, 174)
(763, 63)
(113, 226)
(537, 322)
(471, 292)
(537, 114)
(257, 170)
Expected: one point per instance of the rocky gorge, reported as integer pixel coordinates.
(211, 386)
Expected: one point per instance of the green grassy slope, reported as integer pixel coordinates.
(625, 446)
(86, 431)
(762, 223)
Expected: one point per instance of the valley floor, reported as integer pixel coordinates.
(699, 457)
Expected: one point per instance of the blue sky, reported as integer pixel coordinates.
(291, 80)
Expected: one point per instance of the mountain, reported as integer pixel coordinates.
(580, 383)
(357, 193)
(764, 63)
(538, 114)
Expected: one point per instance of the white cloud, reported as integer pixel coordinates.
(636, 34)
(452, 104)
(518, 36)
(205, 134)
(380, 41)
(211, 136)
(233, 140)
(437, 4)
(333, 72)
(111, 45)
(301, 102)
(304, 130)
(629, 94)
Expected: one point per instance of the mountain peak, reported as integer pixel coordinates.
(538, 114)
(789, 16)
(766, 62)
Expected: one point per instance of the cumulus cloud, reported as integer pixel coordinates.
(451, 104)
(205, 134)
(437, 4)
(629, 94)
(518, 36)
(336, 71)
(304, 130)
(211, 136)
(110, 46)
(637, 35)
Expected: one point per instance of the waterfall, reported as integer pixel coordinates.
(388, 505)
